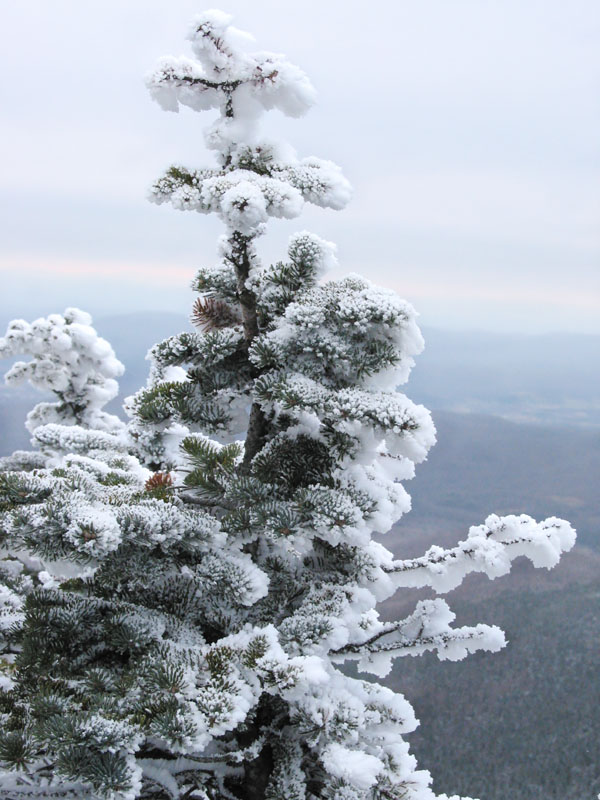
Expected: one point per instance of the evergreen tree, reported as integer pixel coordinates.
(173, 619)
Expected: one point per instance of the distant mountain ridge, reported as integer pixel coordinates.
(549, 379)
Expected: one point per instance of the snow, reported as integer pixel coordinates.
(71, 360)
(489, 548)
(262, 80)
(93, 530)
(359, 768)
(245, 200)
(253, 579)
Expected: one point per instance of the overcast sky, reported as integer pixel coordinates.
(469, 129)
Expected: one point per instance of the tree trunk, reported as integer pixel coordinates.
(240, 258)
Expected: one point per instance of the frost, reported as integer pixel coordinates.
(180, 593)
(489, 548)
(360, 769)
(69, 359)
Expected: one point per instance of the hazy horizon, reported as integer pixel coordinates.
(473, 155)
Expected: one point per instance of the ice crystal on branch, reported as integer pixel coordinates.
(69, 359)
(177, 598)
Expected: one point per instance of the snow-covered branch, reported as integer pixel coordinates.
(489, 548)
(427, 628)
(69, 359)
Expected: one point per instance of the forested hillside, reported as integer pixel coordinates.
(523, 723)
(531, 728)
(531, 720)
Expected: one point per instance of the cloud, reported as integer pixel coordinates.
(469, 130)
(544, 208)
(158, 274)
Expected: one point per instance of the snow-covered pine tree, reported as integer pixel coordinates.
(180, 634)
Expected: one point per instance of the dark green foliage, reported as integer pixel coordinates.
(212, 466)
(17, 489)
(210, 313)
(153, 405)
(106, 771)
(293, 463)
(220, 280)
(16, 751)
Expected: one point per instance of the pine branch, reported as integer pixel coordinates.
(210, 313)
(418, 643)
(489, 548)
